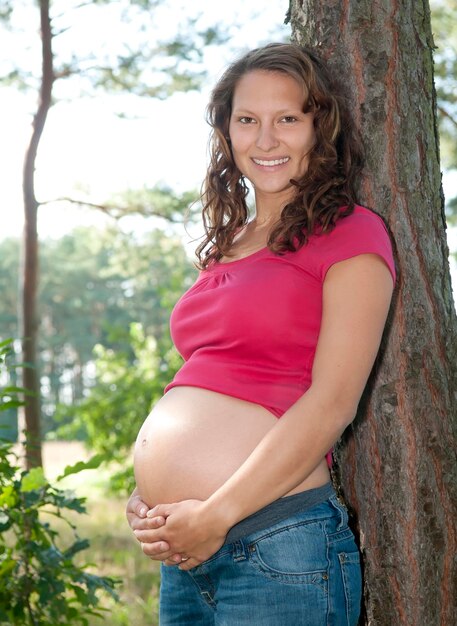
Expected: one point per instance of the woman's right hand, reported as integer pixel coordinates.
(136, 513)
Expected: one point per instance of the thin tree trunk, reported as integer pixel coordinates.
(31, 378)
(397, 463)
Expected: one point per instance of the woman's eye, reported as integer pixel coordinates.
(246, 120)
(289, 119)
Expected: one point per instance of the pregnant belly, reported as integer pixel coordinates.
(194, 440)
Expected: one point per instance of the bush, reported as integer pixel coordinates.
(40, 584)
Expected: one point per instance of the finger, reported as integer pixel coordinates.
(153, 547)
(156, 522)
(147, 535)
(136, 505)
(188, 564)
(159, 509)
(141, 509)
(175, 559)
(136, 523)
(155, 555)
(146, 524)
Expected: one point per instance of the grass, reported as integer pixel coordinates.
(113, 549)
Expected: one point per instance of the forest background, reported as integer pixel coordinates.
(108, 282)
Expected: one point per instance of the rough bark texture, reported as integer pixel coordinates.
(31, 378)
(397, 463)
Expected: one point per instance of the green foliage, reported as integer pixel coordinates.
(92, 463)
(116, 552)
(9, 393)
(444, 24)
(125, 50)
(158, 201)
(94, 285)
(9, 276)
(40, 584)
(123, 394)
(6, 9)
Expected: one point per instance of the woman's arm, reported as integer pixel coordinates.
(356, 298)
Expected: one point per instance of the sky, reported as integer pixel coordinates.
(88, 149)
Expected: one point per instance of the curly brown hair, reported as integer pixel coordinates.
(324, 193)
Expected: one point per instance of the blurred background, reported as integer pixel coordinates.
(118, 168)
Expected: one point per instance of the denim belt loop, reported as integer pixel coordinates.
(341, 508)
(239, 551)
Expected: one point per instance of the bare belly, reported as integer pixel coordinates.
(194, 440)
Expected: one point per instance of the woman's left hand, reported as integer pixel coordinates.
(190, 530)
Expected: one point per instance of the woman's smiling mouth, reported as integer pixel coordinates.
(271, 162)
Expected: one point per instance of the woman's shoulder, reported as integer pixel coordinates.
(361, 218)
(363, 231)
(348, 229)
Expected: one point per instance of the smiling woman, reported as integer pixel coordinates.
(278, 334)
(287, 108)
(271, 143)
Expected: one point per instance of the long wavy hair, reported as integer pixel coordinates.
(324, 193)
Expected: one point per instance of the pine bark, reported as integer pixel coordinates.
(397, 462)
(31, 377)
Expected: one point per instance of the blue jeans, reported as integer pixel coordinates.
(302, 571)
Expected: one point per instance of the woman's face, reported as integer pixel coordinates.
(271, 136)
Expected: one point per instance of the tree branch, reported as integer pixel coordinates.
(447, 115)
(75, 8)
(116, 212)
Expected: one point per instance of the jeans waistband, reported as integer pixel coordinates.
(279, 510)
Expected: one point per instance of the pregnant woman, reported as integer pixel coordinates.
(278, 334)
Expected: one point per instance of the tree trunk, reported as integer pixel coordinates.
(31, 378)
(397, 462)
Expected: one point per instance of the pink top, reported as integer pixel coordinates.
(249, 328)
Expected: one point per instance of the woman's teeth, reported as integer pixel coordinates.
(271, 163)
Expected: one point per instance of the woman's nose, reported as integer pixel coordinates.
(266, 138)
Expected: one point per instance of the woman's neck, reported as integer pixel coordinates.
(269, 208)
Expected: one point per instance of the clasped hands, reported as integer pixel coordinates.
(184, 533)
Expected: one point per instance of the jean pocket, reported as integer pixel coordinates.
(293, 554)
(352, 584)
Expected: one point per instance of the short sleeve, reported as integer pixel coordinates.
(362, 232)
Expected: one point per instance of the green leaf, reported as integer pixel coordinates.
(80, 544)
(79, 593)
(67, 500)
(92, 463)
(34, 479)
(7, 566)
(11, 404)
(51, 557)
(8, 496)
